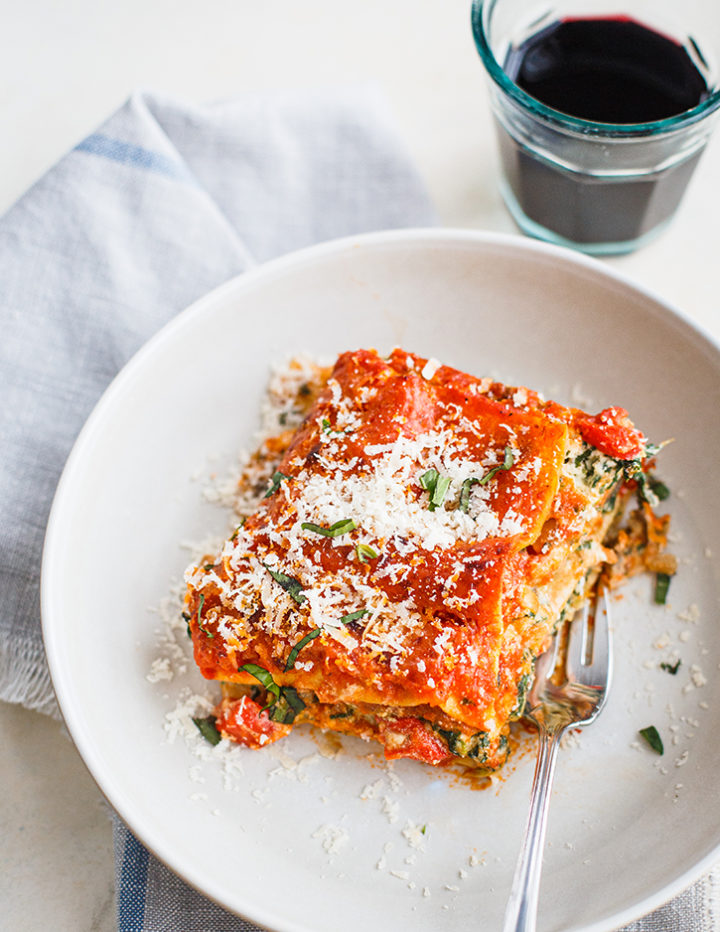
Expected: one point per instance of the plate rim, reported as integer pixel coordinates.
(238, 284)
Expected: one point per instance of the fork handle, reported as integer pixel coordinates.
(521, 911)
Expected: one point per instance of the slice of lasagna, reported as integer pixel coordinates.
(419, 537)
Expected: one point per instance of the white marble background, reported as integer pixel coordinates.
(64, 66)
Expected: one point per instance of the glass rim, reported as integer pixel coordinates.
(566, 120)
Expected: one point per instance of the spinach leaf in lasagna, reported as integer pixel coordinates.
(474, 746)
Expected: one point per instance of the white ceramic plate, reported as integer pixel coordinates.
(627, 828)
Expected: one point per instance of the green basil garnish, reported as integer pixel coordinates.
(429, 479)
(343, 526)
(285, 703)
(670, 667)
(508, 460)
(201, 602)
(330, 431)
(208, 729)
(265, 678)
(365, 552)
(291, 585)
(662, 584)
(650, 734)
(436, 485)
(291, 696)
(465, 493)
(659, 488)
(237, 529)
(292, 656)
(354, 616)
(277, 478)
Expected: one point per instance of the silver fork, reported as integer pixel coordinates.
(554, 709)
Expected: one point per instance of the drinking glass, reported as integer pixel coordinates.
(592, 183)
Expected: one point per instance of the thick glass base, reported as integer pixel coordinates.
(536, 230)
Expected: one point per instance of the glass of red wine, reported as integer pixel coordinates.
(602, 112)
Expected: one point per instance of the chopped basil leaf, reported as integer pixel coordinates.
(285, 702)
(650, 734)
(292, 656)
(291, 585)
(429, 479)
(423, 829)
(329, 430)
(208, 729)
(209, 566)
(265, 678)
(354, 616)
(437, 496)
(365, 552)
(436, 485)
(508, 460)
(282, 714)
(288, 707)
(277, 478)
(201, 602)
(343, 526)
(186, 619)
(465, 493)
(671, 667)
(659, 488)
(662, 584)
(290, 694)
(237, 529)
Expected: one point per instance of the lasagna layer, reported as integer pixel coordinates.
(421, 535)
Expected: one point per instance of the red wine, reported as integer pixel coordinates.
(616, 71)
(608, 71)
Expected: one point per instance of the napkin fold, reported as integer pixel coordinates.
(161, 204)
(164, 202)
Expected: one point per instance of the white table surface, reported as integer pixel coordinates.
(64, 67)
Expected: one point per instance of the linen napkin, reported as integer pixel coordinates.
(161, 204)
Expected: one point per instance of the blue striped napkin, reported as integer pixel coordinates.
(164, 202)
(161, 204)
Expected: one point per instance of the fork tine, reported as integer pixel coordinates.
(597, 648)
(601, 635)
(577, 641)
